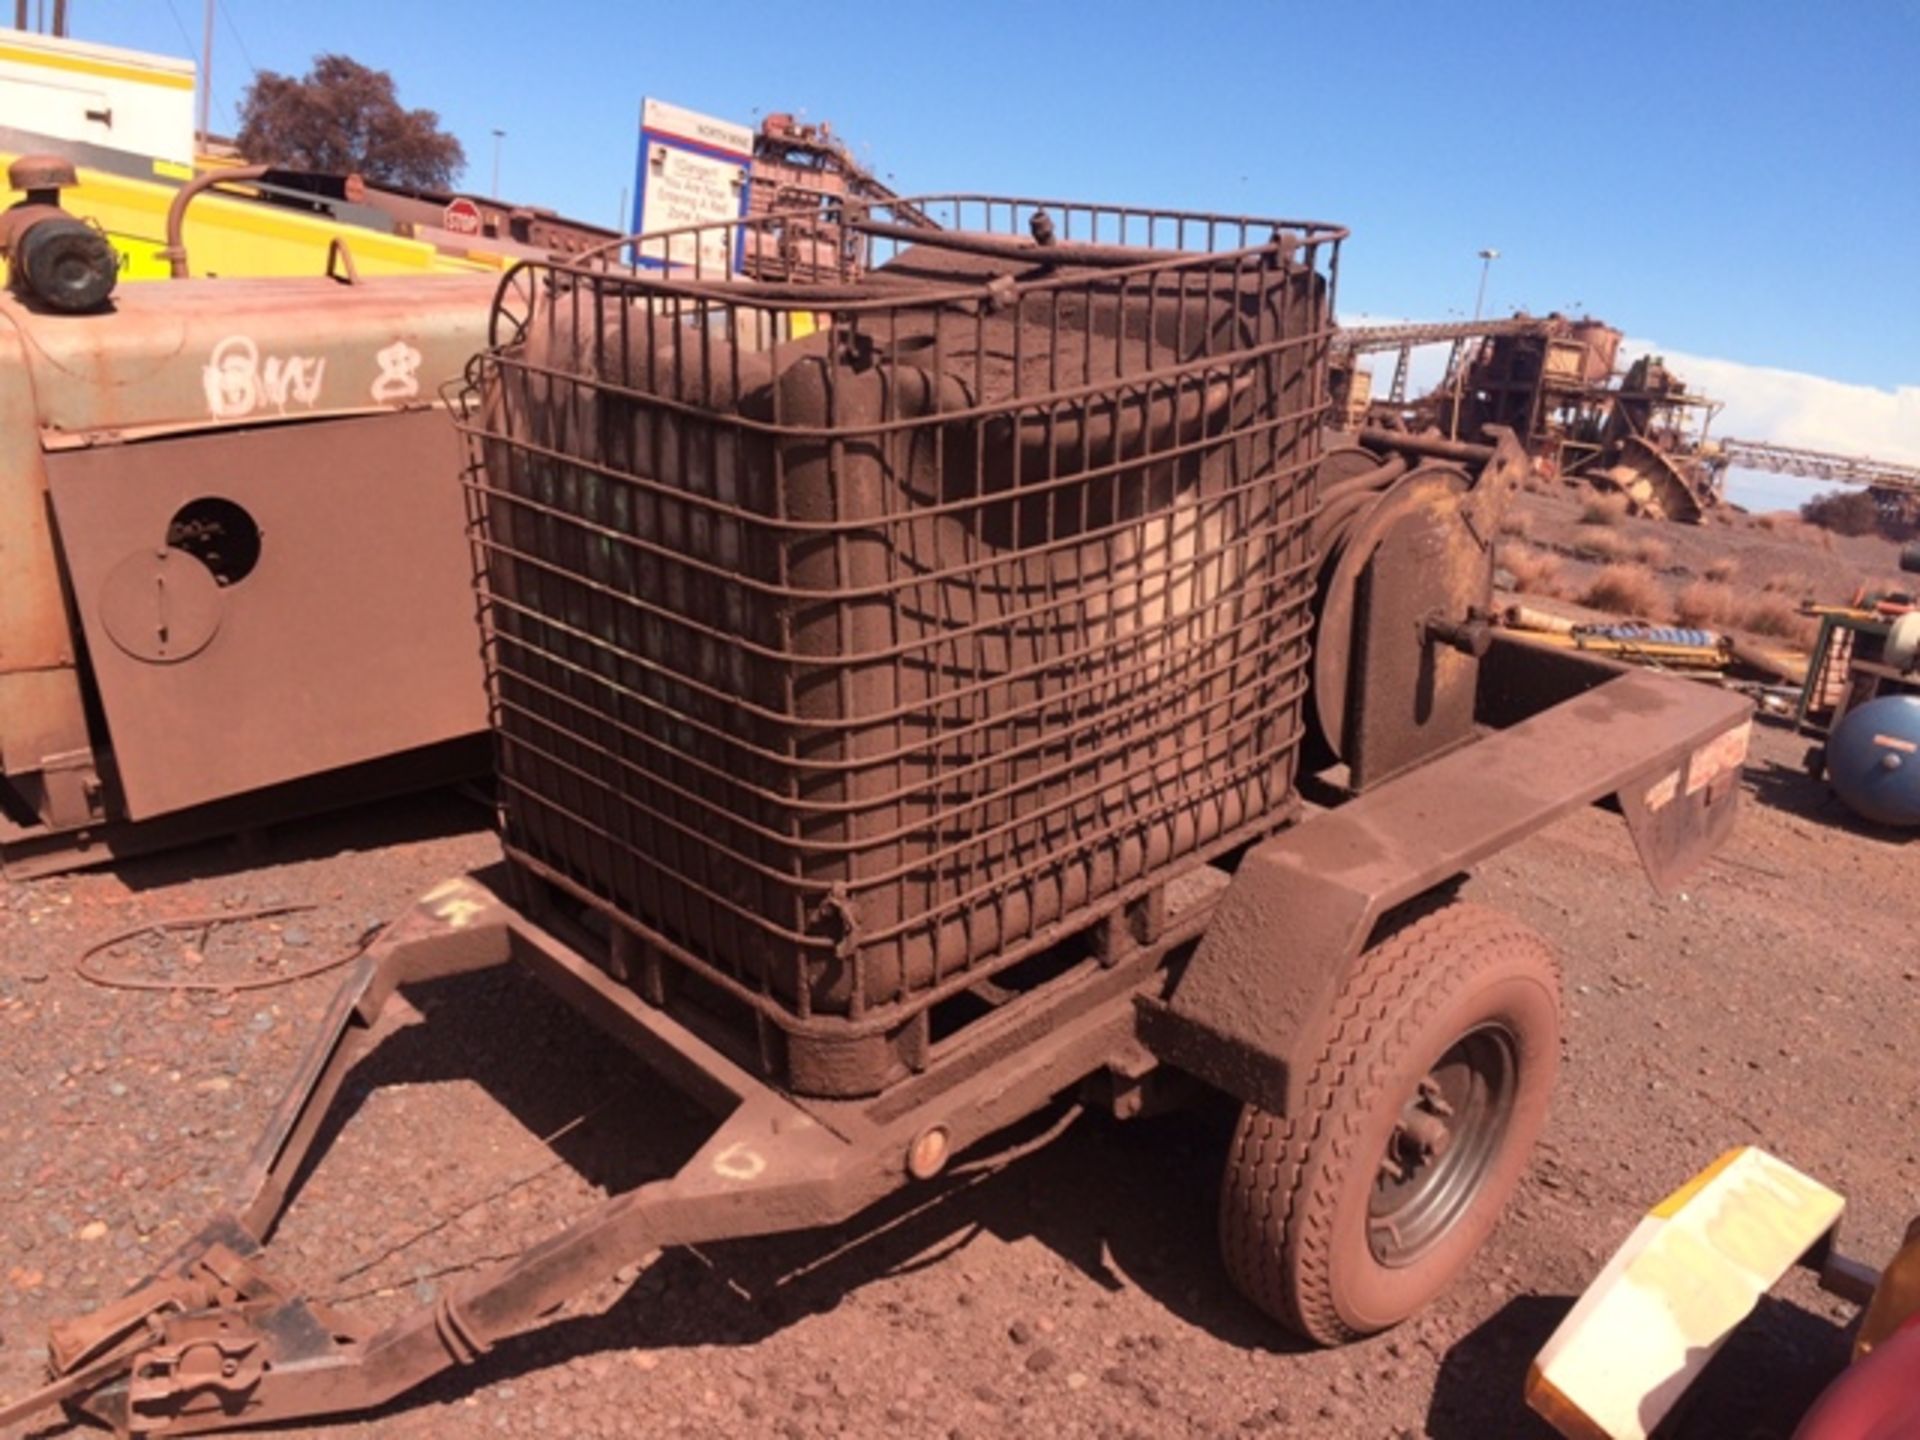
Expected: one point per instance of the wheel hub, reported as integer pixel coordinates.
(1421, 1134)
(1443, 1144)
(1426, 1135)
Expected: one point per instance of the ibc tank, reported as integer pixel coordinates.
(1873, 759)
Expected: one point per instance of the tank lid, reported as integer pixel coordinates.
(41, 172)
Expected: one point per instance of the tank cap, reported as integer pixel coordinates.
(41, 172)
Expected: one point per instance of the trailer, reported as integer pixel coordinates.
(984, 693)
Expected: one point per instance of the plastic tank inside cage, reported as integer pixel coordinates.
(869, 605)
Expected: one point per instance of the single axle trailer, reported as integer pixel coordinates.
(929, 693)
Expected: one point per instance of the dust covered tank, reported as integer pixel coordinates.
(851, 639)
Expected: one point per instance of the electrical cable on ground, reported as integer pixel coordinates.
(85, 970)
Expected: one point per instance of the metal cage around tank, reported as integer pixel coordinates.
(876, 597)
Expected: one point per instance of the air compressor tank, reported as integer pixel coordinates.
(1873, 760)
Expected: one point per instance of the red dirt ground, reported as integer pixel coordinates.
(1076, 1293)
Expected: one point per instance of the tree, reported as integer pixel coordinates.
(342, 117)
(1845, 512)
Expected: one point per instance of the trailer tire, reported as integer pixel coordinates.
(1438, 1063)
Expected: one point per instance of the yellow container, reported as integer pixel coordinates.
(230, 235)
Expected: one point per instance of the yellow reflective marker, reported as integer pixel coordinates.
(1666, 1301)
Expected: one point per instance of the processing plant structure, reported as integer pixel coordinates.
(1552, 381)
(1555, 383)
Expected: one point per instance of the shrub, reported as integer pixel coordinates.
(1517, 523)
(1787, 525)
(1534, 572)
(1846, 512)
(1705, 602)
(1604, 510)
(1772, 615)
(1600, 545)
(1652, 552)
(1769, 615)
(1722, 569)
(1787, 582)
(1627, 590)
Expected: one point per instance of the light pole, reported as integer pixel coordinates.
(206, 74)
(1487, 257)
(498, 136)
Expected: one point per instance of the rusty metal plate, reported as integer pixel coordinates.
(160, 605)
(1412, 696)
(1430, 495)
(347, 634)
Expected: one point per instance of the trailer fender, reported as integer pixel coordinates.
(1246, 1011)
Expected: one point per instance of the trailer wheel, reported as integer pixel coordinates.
(1416, 1123)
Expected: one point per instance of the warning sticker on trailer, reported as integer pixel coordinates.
(1660, 794)
(1725, 752)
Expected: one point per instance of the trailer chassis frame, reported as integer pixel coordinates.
(214, 1341)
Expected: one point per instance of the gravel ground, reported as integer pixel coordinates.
(1076, 1293)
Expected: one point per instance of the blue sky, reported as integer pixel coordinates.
(1743, 179)
(1730, 180)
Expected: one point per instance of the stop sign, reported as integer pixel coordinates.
(462, 217)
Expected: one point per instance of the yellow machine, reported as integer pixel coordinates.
(234, 235)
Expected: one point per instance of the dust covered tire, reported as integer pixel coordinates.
(1439, 1062)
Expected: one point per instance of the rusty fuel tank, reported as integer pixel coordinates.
(231, 556)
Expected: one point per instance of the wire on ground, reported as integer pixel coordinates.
(85, 969)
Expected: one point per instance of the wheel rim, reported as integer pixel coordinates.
(1445, 1141)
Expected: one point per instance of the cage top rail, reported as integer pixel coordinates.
(1121, 238)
